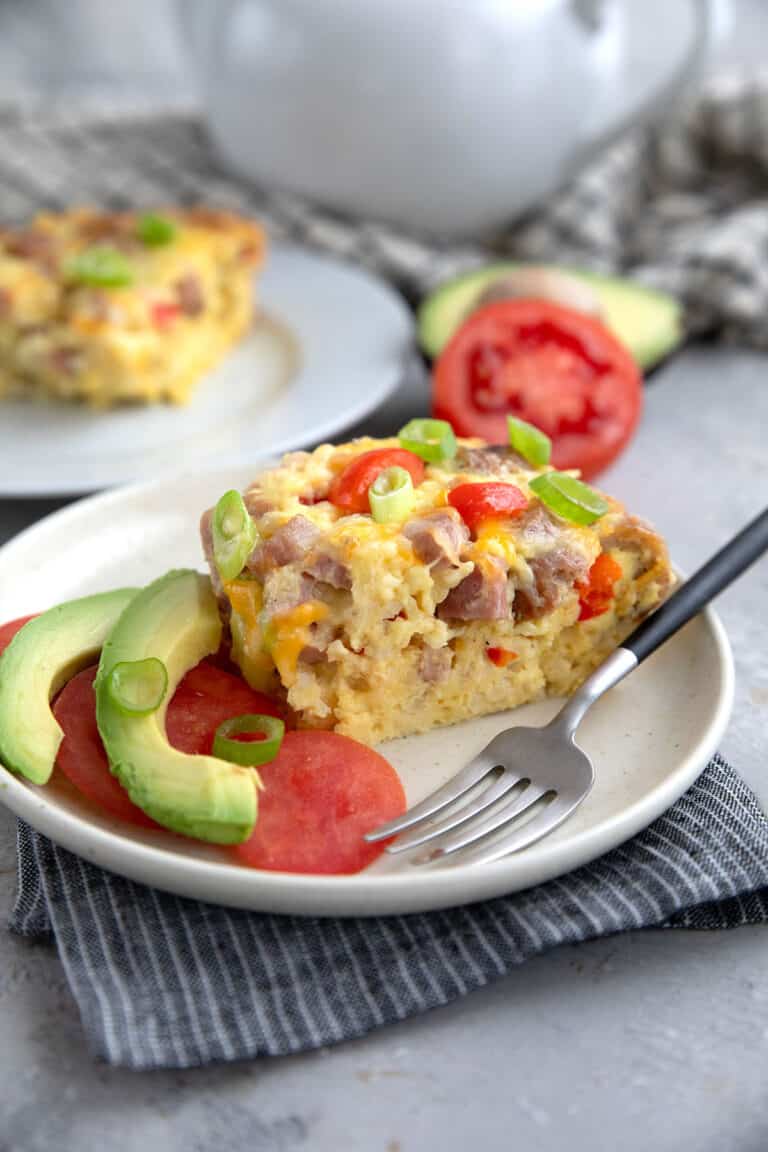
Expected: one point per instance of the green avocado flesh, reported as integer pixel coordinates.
(647, 322)
(175, 620)
(38, 662)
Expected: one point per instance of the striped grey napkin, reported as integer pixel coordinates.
(681, 206)
(166, 982)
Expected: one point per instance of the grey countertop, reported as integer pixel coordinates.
(649, 1040)
(653, 1040)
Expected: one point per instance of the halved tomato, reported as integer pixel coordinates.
(557, 368)
(350, 488)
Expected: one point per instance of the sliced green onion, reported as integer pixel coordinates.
(156, 230)
(569, 498)
(529, 441)
(249, 753)
(432, 440)
(138, 687)
(391, 495)
(234, 535)
(103, 267)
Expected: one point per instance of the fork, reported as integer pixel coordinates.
(527, 781)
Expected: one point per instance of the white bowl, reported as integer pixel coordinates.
(444, 116)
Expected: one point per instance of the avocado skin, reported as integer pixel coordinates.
(176, 620)
(47, 652)
(648, 322)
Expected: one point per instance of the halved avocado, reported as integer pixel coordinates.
(648, 322)
(175, 620)
(38, 662)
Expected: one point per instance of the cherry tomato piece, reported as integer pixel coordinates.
(350, 488)
(486, 501)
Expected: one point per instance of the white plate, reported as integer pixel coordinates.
(335, 351)
(649, 737)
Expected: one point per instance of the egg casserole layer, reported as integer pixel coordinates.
(382, 630)
(110, 308)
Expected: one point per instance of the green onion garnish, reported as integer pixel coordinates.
(432, 440)
(234, 535)
(249, 753)
(529, 441)
(103, 267)
(391, 495)
(569, 498)
(156, 230)
(138, 687)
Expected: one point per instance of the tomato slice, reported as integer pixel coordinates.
(81, 756)
(350, 488)
(322, 792)
(9, 630)
(204, 699)
(596, 594)
(557, 368)
(486, 501)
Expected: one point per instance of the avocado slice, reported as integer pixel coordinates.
(176, 620)
(648, 322)
(38, 662)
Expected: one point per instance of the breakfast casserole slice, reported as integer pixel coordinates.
(384, 587)
(123, 307)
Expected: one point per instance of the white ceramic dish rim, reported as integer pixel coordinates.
(407, 891)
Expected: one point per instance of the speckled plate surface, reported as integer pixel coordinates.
(649, 737)
(329, 348)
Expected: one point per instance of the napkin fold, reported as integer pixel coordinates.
(681, 205)
(165, 982)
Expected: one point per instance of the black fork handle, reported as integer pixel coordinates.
(732, 559)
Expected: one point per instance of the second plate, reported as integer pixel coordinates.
(330, 348)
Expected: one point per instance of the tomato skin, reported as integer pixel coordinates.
(82, 758)
(557, 368)
(321, 793)
(9, 630)
(350, 488)
(596, 594)
(206, 697)
(486, 501)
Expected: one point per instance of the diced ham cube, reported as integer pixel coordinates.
(480, 596)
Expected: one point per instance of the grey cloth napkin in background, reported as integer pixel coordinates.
(166, 982)
(683, 207)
